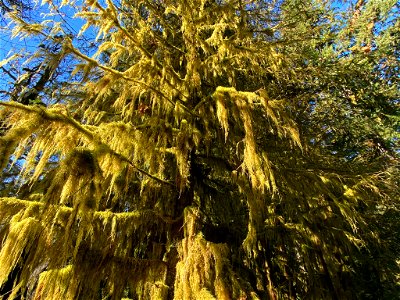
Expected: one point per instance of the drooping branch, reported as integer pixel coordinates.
(124, 76)
(15, 204)
(90, 135)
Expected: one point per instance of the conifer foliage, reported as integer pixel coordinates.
(206, 149)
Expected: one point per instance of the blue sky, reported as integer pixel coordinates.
(28, 46)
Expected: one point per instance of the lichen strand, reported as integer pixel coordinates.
(62, 241)
(204, 270)
(21, 240)
(184, 162)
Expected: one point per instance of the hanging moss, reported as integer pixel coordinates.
(204, 271)
(197, 155)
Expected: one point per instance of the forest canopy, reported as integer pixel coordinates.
(204, 149)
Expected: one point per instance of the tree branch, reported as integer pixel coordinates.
(59, 117)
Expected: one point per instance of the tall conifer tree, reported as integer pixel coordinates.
(231, 149)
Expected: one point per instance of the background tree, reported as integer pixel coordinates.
(198, 156)
(22, 7)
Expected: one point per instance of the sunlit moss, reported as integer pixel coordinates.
(178, 166)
